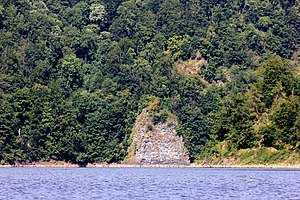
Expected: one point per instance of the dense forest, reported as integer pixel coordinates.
(76, 74)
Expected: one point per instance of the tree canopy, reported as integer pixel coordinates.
(75, 74)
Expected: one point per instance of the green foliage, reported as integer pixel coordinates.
(97, 13)
(222, 153)
(180, 47)
(160, 117)
(276, 79)
(75, 74)
(234, 122)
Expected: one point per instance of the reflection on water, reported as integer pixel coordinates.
(148, 183)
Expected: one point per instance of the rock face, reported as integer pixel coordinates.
(156, 144)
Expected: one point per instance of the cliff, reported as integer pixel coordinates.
(156, 143)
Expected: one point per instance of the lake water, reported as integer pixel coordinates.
(148, 183)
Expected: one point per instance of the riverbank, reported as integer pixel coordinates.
(115, 165)
(222, 158)
(221, 155)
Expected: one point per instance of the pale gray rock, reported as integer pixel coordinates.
(159, 145)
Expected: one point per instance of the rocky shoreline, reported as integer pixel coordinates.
(115, 165)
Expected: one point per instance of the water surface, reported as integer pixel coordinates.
(148, 183)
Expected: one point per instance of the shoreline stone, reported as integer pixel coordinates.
(117, 165)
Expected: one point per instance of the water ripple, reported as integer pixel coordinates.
(152, 183)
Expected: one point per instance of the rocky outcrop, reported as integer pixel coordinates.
(156, 143)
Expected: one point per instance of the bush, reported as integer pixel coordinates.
(149, 127)
(161, 117)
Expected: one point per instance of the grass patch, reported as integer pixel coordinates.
(224, 153)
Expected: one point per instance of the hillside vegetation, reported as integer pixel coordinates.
(74, 75)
